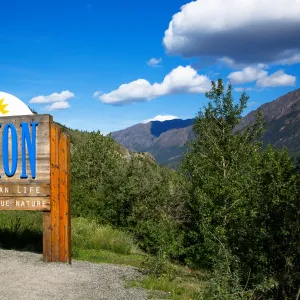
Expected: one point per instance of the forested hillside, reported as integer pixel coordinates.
(166, 140)
(282, 122)
(232, 208)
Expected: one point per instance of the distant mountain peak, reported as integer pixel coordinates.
(158, 127)
(166, 140)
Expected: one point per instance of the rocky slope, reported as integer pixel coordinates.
(166, 140)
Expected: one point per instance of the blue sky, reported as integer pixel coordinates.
(72, 58)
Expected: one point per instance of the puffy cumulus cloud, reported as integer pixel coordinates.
(278, 78)
(58, 100)
(161, 118)
(248, 31)
(179, 80)
(55, 97)
(248, 74)
(262, 78)
(154, 62)
(58, 106)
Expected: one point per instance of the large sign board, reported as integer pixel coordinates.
(35, 172)
(25, 162)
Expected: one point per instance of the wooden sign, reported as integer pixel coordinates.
(25, 162)
(35, 175)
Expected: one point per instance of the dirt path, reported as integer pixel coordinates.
(24, 276)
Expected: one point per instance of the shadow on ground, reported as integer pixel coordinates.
(24, 241)
(21, 231)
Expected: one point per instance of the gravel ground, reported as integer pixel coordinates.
(24, 276)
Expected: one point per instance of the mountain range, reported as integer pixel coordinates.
(166, 140)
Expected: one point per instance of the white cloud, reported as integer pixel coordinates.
(248, 74)
(161, 118)
(248, 31)
(55, 97)
(154, 62)
(291, 60)
(179, 80)
(262, 78)
(97, 93)
(278, 78)
(58, 106)
(229, 62)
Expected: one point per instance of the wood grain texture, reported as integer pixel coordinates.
(35, 189)
(64, 209)
(25, 203)
(68, 239)
(55, 133)
(57, 239)
(62, 197)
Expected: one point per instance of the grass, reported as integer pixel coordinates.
(180, 288)
(104, 256)
(103, 244)
(87, 234)
(172, 280)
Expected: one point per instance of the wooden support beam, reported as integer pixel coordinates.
(64, 199)
(57, 223)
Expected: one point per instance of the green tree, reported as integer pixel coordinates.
(217, 164)
(244, 203)
(157, 196)
(97, 171)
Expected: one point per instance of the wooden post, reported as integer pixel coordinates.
(64, 200)
(57, 222)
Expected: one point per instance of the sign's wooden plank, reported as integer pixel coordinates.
(55, 133)
(25, 203)
(34, 189)
(42, 147)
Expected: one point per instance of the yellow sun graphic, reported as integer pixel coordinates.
(2, 107)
